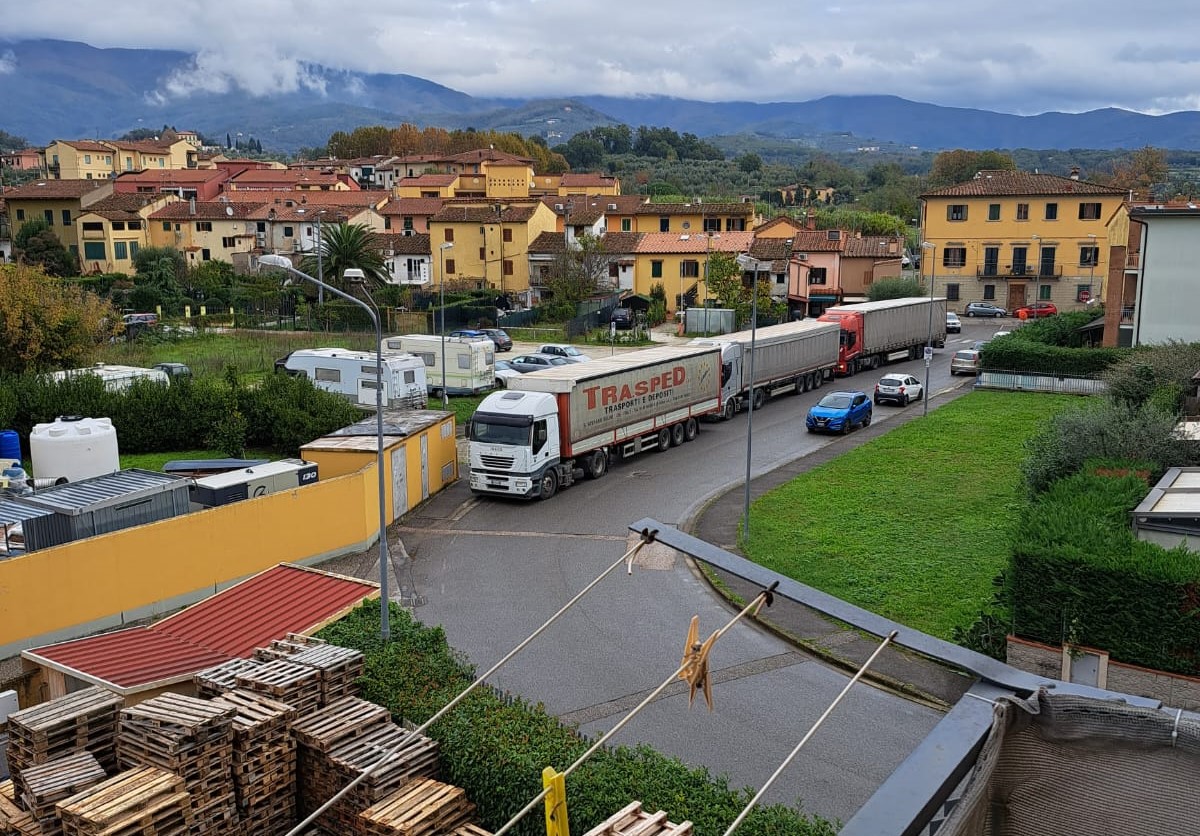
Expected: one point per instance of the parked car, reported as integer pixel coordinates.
(140, 319)
(953, 324)
(623, 318)
(984, 309)
(536, 362)
(979, 344)
(500, 337)
(1035, 310)
(568, 352)
(505, 371)
(965, 362)
(898, 388)
(175, 371)
(839, 412)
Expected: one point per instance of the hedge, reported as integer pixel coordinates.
(496, 748)
(1050, 345)
(1079, 575)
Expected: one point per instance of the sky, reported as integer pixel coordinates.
(1018, 56)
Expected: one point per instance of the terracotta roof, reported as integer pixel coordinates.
(397, 244)
(1019, 183)
(818, 241)
(481, 213)
(169, 176)
(281, 600)
(302, 198)
(121, 207)
(622, 242)
(782, 220)
(285, 175)
(693, 208)
(490, 155)
(873, 246)
(548, 243)
(205, 210)
(671, 242)
(55, 189)
(586, 179)
(412, 206)
(298, 213)
(85, 145)
(428, 180)
(145, 146)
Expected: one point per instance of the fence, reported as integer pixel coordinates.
(581, 325)
(1062, 384)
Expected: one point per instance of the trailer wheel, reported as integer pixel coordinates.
(664, 439)
(729, 410)
(760, 398)
(597, 464)
(818, 379)
(691, 429)
(549, 484)
(676, 435)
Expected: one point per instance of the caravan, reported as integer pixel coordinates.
(116, 378)
(352, 374)
(470, 363)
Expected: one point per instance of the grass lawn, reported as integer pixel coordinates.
(915, 524)
(155, 461)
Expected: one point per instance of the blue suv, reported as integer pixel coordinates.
(838, 412)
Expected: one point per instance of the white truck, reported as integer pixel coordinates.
(791, 356)
(470, 363)
(552, 426)
(874, 333)
(352, 374)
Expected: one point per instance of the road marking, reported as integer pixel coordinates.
(467, 532)
(464, 509)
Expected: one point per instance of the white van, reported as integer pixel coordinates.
(470, 363)
(352, 374)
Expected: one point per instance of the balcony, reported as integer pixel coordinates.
(1133, 260)
(1008, 271)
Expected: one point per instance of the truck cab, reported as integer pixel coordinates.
(732, 358)
(514, 444)
(850, 340)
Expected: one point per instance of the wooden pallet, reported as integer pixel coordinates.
(83, 720)
(470, 830)
(145, 793)
(346, 718)
(632, 820)
(216, 680)
(49, 783)
(340, 669)
(412, 755)
(256, 715)
(420, 808)
(297, 685)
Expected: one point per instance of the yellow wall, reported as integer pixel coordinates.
(508, 181)
(468, 240)
(78, 165)
(33, 210)
(417, 190)
(643, 278)
(647, 220)
(190, 241)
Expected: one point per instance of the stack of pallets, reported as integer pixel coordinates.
(192, 738)
(83, 721)
(264, 762)
(286, 647)
(340, 669)
(470, 830)
(52, 782)
(317, 733)
(296, 685)
(421, 807)
(141, 802)
(12, 818)
(632, 820)
(223, 677)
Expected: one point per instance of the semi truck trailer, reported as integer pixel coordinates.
(789, 357)
(552, 427)
(875, 333)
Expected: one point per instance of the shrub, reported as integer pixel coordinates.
(896, 288)
(1137, 376)
(1012, 353)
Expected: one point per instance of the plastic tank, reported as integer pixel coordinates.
(10, 447)
(75, 448)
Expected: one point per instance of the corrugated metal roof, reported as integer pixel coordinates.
(122, 485)
(283, 599)
(14, 511)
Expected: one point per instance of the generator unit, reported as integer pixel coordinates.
(248, 482)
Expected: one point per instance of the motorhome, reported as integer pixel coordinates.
(470, 363)
(352, 374)
(116, 378)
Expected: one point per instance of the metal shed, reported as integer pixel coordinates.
(14, 512)
(102, 504)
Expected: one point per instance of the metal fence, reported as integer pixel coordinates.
(581, 325)
(1063, 384)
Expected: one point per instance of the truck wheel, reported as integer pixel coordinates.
(664, 439)
(691, 429)
(728, 412)
(677, 435)
(597, 464)
(818, 379)
(760, 398)
(549, 484)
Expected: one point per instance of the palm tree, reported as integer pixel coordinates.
(347, 245)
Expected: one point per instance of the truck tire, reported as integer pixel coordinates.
(818, 379)
(664, 439)
(596, 465)
(548, 483)
(677, 435)
(691, 429)
(759, 398)
(728, 412)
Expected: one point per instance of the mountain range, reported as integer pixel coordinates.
(53, 89)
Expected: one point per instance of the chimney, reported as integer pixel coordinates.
(1074, 172)
(191, 205)
(810, 222)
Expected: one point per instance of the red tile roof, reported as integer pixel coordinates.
(281, 600)
(204, 210)
(481, 213)
(171, 176)
(122, 207)
(428, 180)
(55, 189)
(303, 198)
(998, 183)
(397, 244)
(86, 145)
(286, 176)
(671, 242)
(819, 241)
(412, 206)
(586, 179)
(873, 246)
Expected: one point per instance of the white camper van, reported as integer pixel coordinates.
(116, 378)
(351, 374)
(470, 363)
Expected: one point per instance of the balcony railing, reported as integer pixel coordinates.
(1028, 271)
(1133, 260)
(1127, 313)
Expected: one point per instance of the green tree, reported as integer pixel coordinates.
(953, 167)
(46, 323)
(579, 271)
(12, 142)
(732, 287)
(894, 289)
(161, 277)
(36, 244)
(345, 246)
(210, 281)
(1140, 172)
(750, 163)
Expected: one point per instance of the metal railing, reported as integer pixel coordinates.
(1028, 271)
(1061, 384)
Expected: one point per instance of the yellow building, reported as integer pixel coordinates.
(1014, 238)
(205, 230)
(111, 231)
(635, 213)
(82, 160)
(103, 159)
(677, 261)
(487, 244)
(427, 185)
(57, 202)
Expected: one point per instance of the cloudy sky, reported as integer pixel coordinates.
(1019, 56)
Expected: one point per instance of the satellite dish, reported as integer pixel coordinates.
(229, 210)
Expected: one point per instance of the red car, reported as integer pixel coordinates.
(1037, 309)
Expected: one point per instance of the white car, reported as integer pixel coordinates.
(953, 323)
(568, 352)
(504, 372)
(899, 389)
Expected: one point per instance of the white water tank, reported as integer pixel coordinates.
(75, 448)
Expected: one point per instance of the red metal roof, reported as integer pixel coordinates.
(283, 599)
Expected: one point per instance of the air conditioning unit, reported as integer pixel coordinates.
(802, 256)
(558, 207)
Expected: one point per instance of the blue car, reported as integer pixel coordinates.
(839, 412)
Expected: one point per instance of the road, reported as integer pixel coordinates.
(492, 571)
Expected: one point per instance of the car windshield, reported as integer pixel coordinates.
(558, 361)
(570, 350)
(503, 366)
(496, 433)
(838, 400)
(497, 332)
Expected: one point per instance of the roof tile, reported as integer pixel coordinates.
(998, 183)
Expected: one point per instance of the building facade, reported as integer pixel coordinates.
(1166, 275)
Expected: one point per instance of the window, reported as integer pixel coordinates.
(989, 292)
(206, 254)
(1089, 256)
(664, 224)
(816, 275)
(166, 226)
(1020, 257)
(206, 226)
(449, 265)
(464, 361)
(411, 377)
(120, 251)
(107, 159)
(118, 225)
(954, 256)
(371, 370)
(626, 224)
(20, 214)
(135, 224)
(506, 236)
(1022, 211)
(331, 375)
(712, 224)
(87, 159)
(133, 249)
(1052, 211)
(656, 269)
(48, 214)
(66, 217)
(260, 226)
(288, 231)
(689, 269)
(129, 163)
(1044, 292)
(229, 242)
(449, 234)
(482, 254)
(1046, 263)
(991, 261)
(1089, 211)
(952, 291)
(93, 226)
(94, 250)
(993, 211)
(508, 267)
(428, 357)
(956, 212)
(408, 222)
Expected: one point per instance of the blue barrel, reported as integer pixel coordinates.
(10, 447)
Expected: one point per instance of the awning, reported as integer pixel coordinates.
(822, 298)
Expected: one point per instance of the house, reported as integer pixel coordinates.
(677, 261)
(79, 160)
(865, 260)
(548, 249)
(57, 202)
(210, 230)
(187, 183)
(290, 180)
(1161, 267)
(25, 159)
(102, 159)
(112, 230)
(486, 244)
(588, 184)
(815, 280)
(409, 215)
(1013, 237)
(427, 185)
(408, 258)
(293, 227)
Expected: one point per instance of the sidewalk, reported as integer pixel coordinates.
(896, 668)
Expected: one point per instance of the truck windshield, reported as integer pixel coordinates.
(496, 433)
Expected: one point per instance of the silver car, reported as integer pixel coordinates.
(568, 352)
(535, 362)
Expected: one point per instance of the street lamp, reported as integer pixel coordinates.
(282, 262)
(747, 263)
(447, 245)
(925, 245)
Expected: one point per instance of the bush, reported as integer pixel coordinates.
(1137, 377)
(1011, 353)
(897, 288)
(496, 748)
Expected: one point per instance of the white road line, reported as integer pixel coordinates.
(466, 532)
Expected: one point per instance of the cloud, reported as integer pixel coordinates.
(8, 62)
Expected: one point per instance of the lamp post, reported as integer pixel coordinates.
(747, 263)
(925, 245)
(282, 262)
(446, 245)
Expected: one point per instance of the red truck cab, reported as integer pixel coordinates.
(850, 340)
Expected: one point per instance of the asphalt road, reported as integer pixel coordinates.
(492, 571)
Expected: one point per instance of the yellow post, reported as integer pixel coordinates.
(556, 802)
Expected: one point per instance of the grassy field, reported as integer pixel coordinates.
(155, 461)
(915, 524)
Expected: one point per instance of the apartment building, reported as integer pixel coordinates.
(57, 202)
(103, 159)
(112, 231)
(487, 244)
